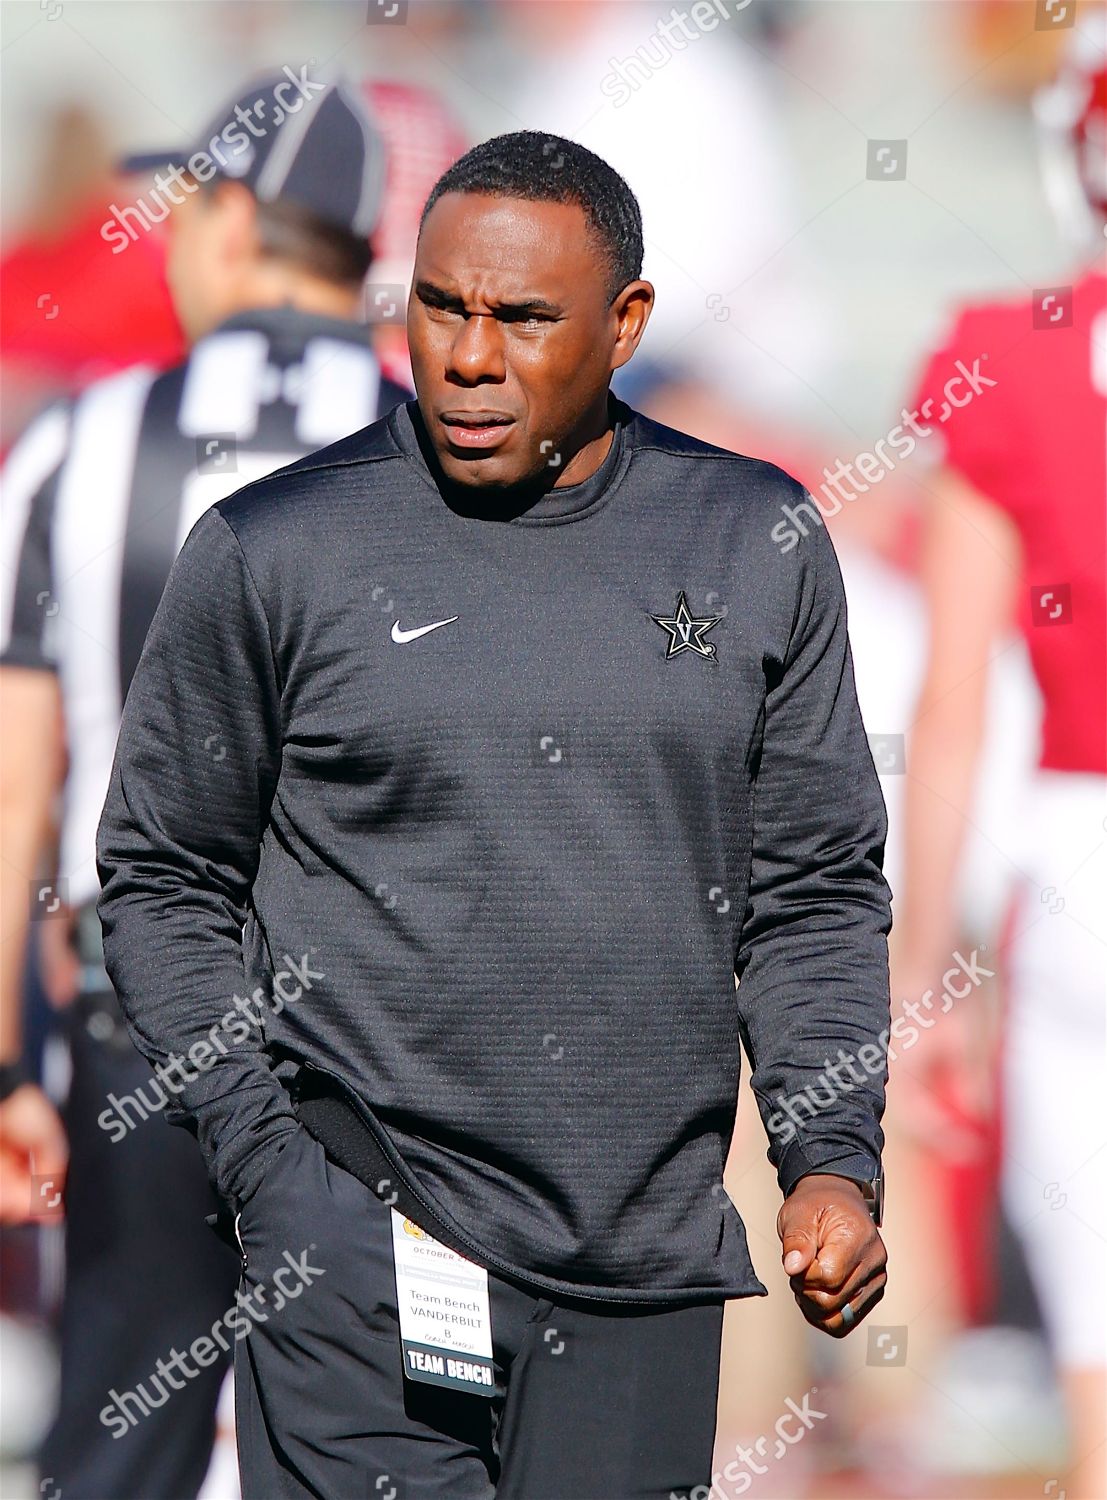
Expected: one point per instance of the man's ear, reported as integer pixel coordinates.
(237, 209)
(632, 308)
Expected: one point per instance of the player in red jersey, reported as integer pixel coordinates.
(1017, 533)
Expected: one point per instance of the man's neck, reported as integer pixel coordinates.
(590, 454)
(510, 501)
(307, 294)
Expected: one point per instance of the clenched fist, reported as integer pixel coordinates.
(832, 1252)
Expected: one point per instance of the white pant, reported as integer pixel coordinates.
(1055, 1069)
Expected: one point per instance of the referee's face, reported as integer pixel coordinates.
(512, 339)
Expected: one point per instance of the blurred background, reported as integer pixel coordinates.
(826, 185)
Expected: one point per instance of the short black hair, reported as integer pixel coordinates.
(546, 168)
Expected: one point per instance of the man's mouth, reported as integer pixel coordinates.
(476, 429)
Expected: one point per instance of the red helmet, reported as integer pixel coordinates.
(1072, 115)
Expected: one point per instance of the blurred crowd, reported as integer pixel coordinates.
(845, 204)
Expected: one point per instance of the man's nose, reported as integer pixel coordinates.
(477, 352)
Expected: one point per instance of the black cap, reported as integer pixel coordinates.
(293, 138)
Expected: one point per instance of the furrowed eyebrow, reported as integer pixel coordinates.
(436, 296)
(513, 310)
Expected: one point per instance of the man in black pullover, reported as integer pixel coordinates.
(467, 762)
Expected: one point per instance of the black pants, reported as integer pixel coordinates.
(144, 1275)
(592, 1402)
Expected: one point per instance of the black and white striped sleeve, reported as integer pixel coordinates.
(29, 485)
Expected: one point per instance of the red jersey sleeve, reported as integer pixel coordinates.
(967, 395)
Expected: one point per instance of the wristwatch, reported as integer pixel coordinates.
(872, 1190)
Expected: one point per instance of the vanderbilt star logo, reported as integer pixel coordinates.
(685, 632)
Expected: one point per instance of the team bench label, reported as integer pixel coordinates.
(445, 1318)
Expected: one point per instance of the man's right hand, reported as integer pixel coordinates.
(33, 1157)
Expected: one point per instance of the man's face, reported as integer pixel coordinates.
(193, 262)
(511, 337)
(211, 237)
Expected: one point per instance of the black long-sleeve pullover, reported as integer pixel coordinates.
(517, 798)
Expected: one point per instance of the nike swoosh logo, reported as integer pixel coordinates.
(400, 636)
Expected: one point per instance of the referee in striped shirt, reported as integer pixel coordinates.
(268, 247)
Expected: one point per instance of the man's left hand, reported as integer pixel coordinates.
(832, 1252)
